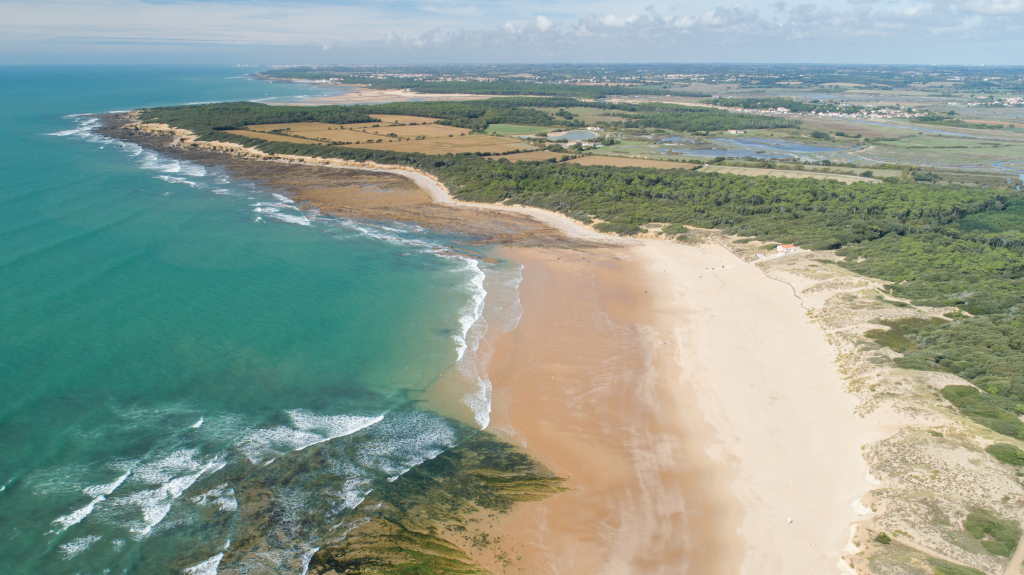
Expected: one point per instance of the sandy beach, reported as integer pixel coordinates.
(694, 409)
(366, 95)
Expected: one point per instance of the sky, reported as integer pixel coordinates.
(388, 32)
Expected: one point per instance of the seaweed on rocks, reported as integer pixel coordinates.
(414, 525)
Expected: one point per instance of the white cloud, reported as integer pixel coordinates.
(527, 29)
(995, 7)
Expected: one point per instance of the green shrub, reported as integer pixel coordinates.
(941, 567)
(992, 411)
(623, 228)
(677, 231)
(997, 535)
(1009, 454)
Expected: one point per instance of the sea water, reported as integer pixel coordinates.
(173, 339)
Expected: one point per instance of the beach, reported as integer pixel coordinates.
(366, 95)
(696, 413)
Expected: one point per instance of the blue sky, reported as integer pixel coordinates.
(262, 32)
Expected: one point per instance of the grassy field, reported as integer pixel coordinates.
(398, 133)
(318, 132)
(517, 130)
(269, 137)
(403, 119)
(946, 151)
(468, 144)
(415, 131)
(745, 171)
(591, 116)
(620, 161)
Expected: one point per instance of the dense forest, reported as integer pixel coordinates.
(940, 245)
(204, 119)
(771, 103)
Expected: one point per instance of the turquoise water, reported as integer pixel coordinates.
(173, 340)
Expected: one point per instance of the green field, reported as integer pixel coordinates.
(517, 129)
(946, 151)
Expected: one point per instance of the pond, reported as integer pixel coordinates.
(761, 148)
(573, 136)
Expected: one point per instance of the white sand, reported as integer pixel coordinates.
(765, 380)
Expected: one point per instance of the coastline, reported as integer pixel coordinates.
(361, 94)
(720, 436)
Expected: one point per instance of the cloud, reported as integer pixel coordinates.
(396, 31)
(994, 7)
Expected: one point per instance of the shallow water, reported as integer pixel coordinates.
(575, 136)
(176, 344)
(762, 148)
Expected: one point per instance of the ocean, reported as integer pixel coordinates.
(177, 344)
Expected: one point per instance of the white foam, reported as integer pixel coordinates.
(290, 218)
(173, 475)
(306, 558)
(75, 517)
(332, 425)
(191, 169)
(471, 329)
(197, 424)
(480, 402)
(391, 235)
(76, 546)
(355, 491)
(98, 493)
(474, 308)
(131, 148)
(208, 567)
(406, 442)
(105, 489)
(274, 210)
(308, 429)
(177, 180)
(86, 124)
(222, 497)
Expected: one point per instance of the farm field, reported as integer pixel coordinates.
(270, 137)
(590, 116)
(404, 119)
(417, 131)
(517, 130)
(318, 131)
(468, 144)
